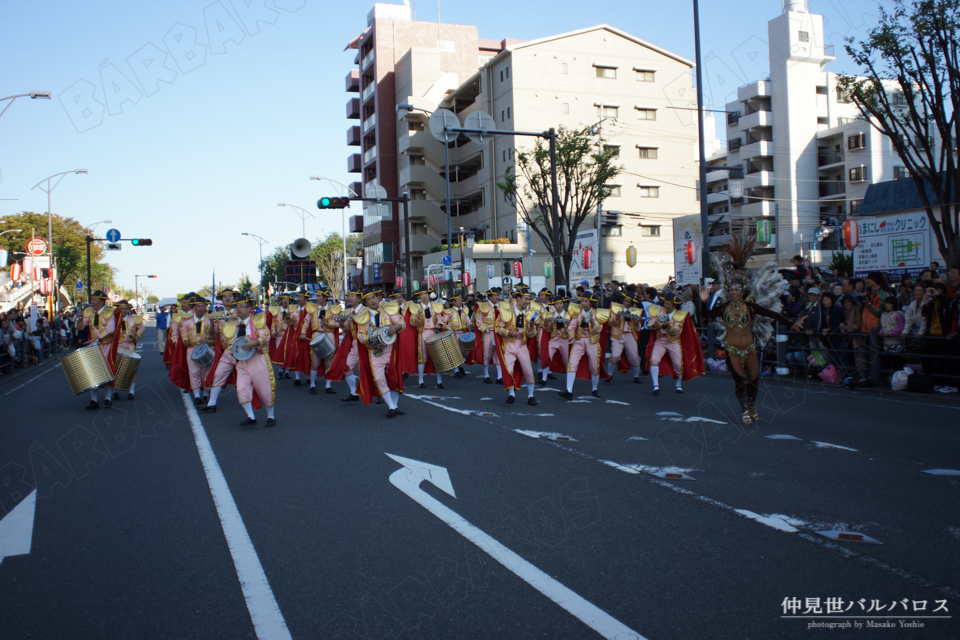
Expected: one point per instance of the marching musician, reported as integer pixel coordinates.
(279, 328)
(223, 369)
(195, 330)
(348, 354)
(379, 363)
(131, 330)
(516, 328)
(255, 374)
(557, 339)
(584, 329)
(485, 319)
(297, 350)
(457, 319)
(623, 334)
(674, 336)
(102, 321)
(427, 318)
(542, 305)
(320, 321)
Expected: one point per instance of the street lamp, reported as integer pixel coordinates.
(94, 225)
(346, 285)
(261, 242)
(51, 188)
(33, 95)
(11, 231)
(303, 213)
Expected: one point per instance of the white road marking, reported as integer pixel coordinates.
(31, 380)
(408, 481)
(637, 438)
(669, 413)
(770, 521)
(265, 614)
(634, 469)
(827, 445)
(16, 528)
(699, 419)
(551, 435)
(617, 402)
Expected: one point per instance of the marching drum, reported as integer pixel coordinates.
(444, 351)
(240, 352)
(468, 341)
(380, 338)
(323, 346)
(86, 369)
(203, 355)
(127, 363)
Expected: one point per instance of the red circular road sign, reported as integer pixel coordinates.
(36, 246)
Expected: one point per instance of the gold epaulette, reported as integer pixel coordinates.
(260, 320)
(506, 314)
(413, 307)
(654, 311)
(680, 316)
(138, 319)
(186, 316)
(616, 307)
(363, 317)
(88, 312)
(391, 308)
(293, 309)
(603, 315)
(536, 306)
(573, 310)
(505, 305)
(311, 308)
(484, 307)
(229, 329)
(437, 307)
(274, 311)
(175, 317)
(335, 310)
(108, 309)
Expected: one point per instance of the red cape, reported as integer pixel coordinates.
(691, 354)
(583, 367)
(407, 345)
(366, 385)
(477, 354)
(338, 368)
(115, 342)
(514, 378)
(296, 352)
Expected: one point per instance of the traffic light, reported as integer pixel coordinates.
(142, 242)
(333, 203)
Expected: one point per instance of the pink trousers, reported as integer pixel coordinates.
(255, 375)
(582, 347)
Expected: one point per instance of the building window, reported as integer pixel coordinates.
(608, 111)
(563, 67)
(901, 173)
(644, 75)
(843, 121)
(380, 252)
(508, 113)
(648, 153)
(503, 115)
(646, 114)
(804, 36)
(856, 142)
(842, 95)
(650, 232)
(898, 99)
(612, 149)
(858, 174)
(649, 192)
(508, 72)
(613, 190)
(609, 73)
(501, 75)
(734, 144)
(565, 108)
(615, 231)
(855, 206)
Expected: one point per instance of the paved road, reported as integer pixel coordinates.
(154, 522)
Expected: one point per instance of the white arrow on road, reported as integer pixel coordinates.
(408, 480)
(16, 528)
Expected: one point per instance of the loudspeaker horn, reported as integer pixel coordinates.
(300, 248)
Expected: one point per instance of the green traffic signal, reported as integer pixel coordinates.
(141, 242)
(333, 203)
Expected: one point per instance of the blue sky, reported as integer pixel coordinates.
(209, 153)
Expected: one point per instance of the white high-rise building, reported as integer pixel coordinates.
(807, 157)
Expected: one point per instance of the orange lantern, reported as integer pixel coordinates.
(37, 273)
(631, 256)
(16, 271)
(43, 287)
(851, 234)
(691, 252)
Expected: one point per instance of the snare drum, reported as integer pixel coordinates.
(380, 338)
(444, 351)
(203, 355)
(86, 369)
(468, 341)
(127, 364)
(323, 346)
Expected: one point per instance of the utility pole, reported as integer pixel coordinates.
(599, 214)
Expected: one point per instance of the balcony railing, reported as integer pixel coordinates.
(369, 122)
(734, 144)
(733, 118)
(368, 91)
(832, 188)
(367, 59)
(829, 158)
(369, 154)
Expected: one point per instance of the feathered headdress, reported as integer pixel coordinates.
(739, 249)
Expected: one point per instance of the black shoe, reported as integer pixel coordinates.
(93, 406)
(351, 398)
(680, 391)
(440, 385)
(206, 399)
(271, 422)
(398, 412)
(197, 402)
(116, 396)
(107, 403)
(459, 374)
(532, 401)
(249, 422)
(329, 390)
(541, 382)
(296, 382)
(406, 375)
(130, 396)
(499, 380)
(608, 380)
(209, 408)
(313, 391)
(656, 391)
(595, 393)
(487, 381)
(550, 376)
(566, 395)
(379, 400)
(287, 376)
(421, 385)
(391, 413)
(637, 380)
(511, 399)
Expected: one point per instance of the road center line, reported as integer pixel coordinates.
(265, 614)
(31, 380)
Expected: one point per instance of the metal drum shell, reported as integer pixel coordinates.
(323, 346)
(86, 369)
(444, 350)
(468, 341)
(127, 364)
(380, 338)
(203, 355)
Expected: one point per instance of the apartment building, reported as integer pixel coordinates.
(599, 76)
(808, 159)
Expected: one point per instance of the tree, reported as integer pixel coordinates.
(583, 169)
(71, 265)
(67, 232)
(328, 255)
(245, 285)
(910, 92)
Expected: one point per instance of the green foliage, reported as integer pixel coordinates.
(443, 247)
(841, 262)
(152, 299)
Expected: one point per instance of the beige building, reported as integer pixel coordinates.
(599, 76)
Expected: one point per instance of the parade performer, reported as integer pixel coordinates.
(320, 322)
(102, 321)
(348, 353)
(675, 336)
(623, 326)
(427, 318)
(516, 331)
(196, 329)
(543, 306)
(585, 329)
(167, 344)
(295, 347)
(379, 363)
(457, 319)
(255, 374)
(282, 318)
(131, 331)
(754, 302)
(223, 371)
(555, 341)
(485, 318)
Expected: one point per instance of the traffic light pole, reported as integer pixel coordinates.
(404, 200)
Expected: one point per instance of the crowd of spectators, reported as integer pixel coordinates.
(24, 343)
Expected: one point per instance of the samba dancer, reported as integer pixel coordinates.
(255, 374)
(516, 329)
(321, 322)
(131, 330)
(584, 329)
(624, 330)
(485, 318)
(750, 296)
(102, 321)
(674, 336)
